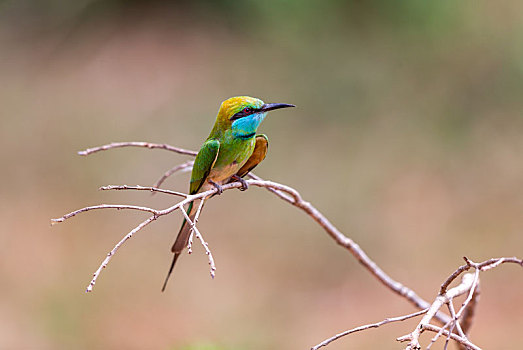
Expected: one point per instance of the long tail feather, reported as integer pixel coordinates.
(181, 241)
(175, 257)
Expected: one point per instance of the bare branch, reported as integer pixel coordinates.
(452, 277)
(483, 266)
(149, 145)
(368, 326)
(276, 192)
(102, 206)
(115, 249)
(292, 196)
(196, 217)
(465, 342)
(187, 166)
(469, 284)
(491, 263)
(462, 288)
(142, 188)
(200, 237)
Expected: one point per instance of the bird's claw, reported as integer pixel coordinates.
(244, 183)
(219, 188)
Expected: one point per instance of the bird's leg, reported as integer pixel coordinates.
(244, 183)
(218, 187)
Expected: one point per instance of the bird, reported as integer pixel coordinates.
(230, 152)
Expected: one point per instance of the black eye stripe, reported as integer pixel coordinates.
(243, 113)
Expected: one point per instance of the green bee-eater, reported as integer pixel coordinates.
(229, 153)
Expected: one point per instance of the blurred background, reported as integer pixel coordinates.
(407, 136)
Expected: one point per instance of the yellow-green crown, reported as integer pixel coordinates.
(233, 105)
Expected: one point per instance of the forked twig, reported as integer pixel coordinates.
(200, 237)
(462, 341)
(196, 217)
(368, 326)
(469, 285)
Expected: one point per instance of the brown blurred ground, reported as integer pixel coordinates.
(408, 137)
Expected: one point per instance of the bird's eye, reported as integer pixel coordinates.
(247, 110)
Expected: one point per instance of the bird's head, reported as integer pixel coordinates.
(243, 114)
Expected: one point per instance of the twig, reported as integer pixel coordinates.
(202, 241)
(439, 334)
(102, 206)
(187, 166)
(462, 288)
(164, 146)
(196, 217)
(115, 249)
(368, 326)
(142, 188)
(469, 284)
(158, 213)
(462, 341)
(483, 266)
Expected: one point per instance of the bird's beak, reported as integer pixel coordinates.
(272, 106)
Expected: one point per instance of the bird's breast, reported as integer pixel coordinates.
(231, 157)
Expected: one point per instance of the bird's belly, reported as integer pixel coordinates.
(222, 174)
(231, 158)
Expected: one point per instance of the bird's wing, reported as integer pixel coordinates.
(203, 164)
(259, 153)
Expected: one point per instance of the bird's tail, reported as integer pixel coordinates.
(181, 240)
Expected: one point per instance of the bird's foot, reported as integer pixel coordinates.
(244, 183)
(219, 188)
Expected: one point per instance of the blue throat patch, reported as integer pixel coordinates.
(246, 127)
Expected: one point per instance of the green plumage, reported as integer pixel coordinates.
(231, 150)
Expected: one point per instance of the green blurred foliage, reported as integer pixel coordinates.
(407, 136)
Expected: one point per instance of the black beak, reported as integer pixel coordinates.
(272, 106)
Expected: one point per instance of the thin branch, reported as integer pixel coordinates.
(368, 326)
(469, 285)
(454, 324)
(465, 342)
(276, 192)
(292, 196)
(439, 334)
(142, 188)
(102, 206)
(455, 319)
(156, 215)
(452, 277)
(149, 145)
(187, 166)
(491, 263)
(462, 288)
(115, 249)
(196, 217)
(202, 241)
(470, 293)
(483, 266)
